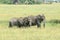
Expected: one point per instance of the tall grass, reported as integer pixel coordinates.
(50, 32)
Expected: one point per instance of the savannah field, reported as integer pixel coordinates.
(50, 32)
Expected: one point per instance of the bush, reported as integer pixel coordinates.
(54, 21)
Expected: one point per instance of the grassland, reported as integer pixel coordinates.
(51, 32)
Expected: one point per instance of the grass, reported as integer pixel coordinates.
(51, 32)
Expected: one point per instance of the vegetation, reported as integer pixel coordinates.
(50, 32)
(19, 1)
(28, 1)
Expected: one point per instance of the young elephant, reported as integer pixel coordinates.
(13, 22)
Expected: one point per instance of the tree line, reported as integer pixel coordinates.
(21, 1)
(26, 1)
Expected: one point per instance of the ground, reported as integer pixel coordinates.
(50, 32)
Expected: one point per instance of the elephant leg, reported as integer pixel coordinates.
(10, 24)
(30, 23)
(38, 24)
(44, 23)
(18, 24)
(25, 24)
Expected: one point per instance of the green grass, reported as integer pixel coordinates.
(51, 32)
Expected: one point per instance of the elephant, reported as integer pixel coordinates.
(23, 21)
(13, 22)
(36, 20)
(20, 22)
(28, 21)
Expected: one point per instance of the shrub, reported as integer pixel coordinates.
(54, 21)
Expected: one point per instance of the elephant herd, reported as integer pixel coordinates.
(28, 21)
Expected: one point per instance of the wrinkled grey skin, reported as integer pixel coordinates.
(36, 20)
(28, 21)
(20, 22)
(13, 22)
(23, 22)
(41, 19)
(32, 20)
